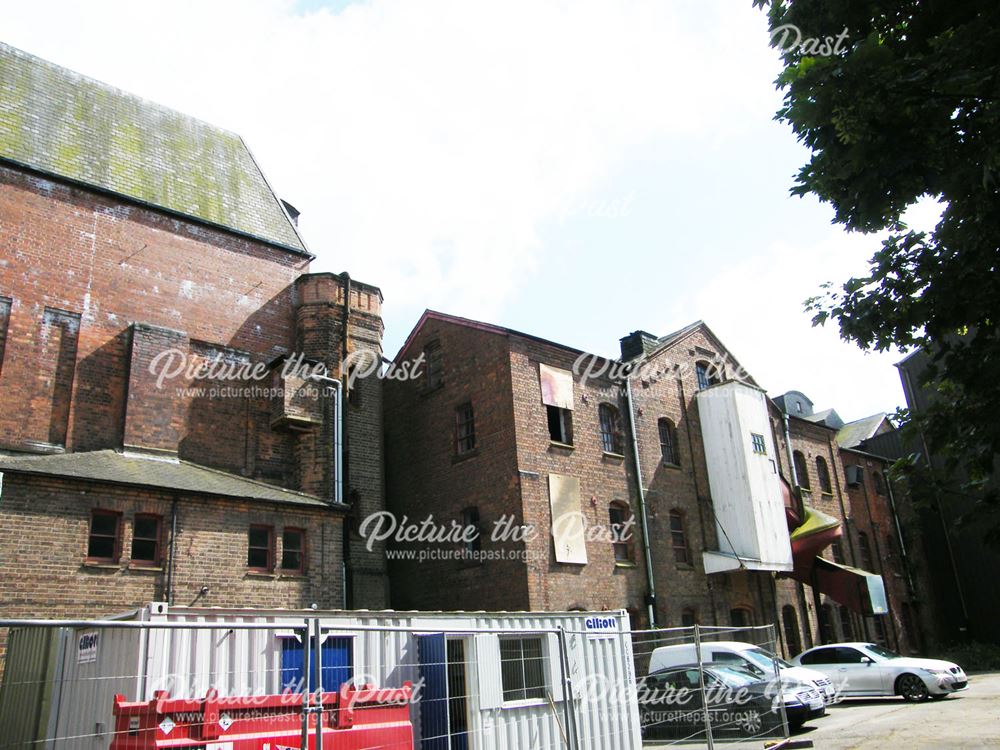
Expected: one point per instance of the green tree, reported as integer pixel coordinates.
(903, 103)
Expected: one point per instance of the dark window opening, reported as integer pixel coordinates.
(104, 541)
(668, 442)
(678, 538)
(560, 425)
(801, 469)
(741, 617)
(846, 625)
(824, 475)
(707, 375)
(433, 365)
(470, 520)
(689, 618)
(146, 539)
(790, 621)
(5, 305)
(611, 430)
(620, 517)
(864, 549)
(260, 548)
(465, 429)
(293, 549)
(837, 552)
(522, 671)
(825, 618)
(879, 482)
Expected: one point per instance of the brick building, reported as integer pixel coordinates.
(136, 244)
(505, 428)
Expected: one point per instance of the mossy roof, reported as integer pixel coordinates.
(63, 124)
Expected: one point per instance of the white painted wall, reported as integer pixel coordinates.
(745, 487)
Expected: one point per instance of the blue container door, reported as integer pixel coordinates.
(337, 664)
(434, 695)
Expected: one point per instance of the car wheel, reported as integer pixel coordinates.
(752, 723)
(912, 688)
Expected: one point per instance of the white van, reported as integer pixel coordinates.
(756, 659)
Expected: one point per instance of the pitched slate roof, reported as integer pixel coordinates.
(158, 473)
(852, 434)
(66, 125)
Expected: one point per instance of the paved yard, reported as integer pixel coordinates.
(968, 720)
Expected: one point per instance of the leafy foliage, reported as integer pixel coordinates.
(909, 108)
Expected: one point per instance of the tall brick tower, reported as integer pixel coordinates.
(339, 323)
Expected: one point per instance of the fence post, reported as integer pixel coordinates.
(701, 685)
(571, 739)
(779, 690)
(318, 661)
(306, 676)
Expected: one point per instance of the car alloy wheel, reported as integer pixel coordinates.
(912, 688)
(752, 723)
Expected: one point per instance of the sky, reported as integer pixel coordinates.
(573, 169)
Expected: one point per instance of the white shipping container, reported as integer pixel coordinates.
(455, 658)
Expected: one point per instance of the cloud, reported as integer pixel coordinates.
(426, 142)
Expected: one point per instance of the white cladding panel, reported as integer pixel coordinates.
(248, 662)
(746, 489)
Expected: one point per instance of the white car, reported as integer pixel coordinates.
(858, 669)
(758, 660)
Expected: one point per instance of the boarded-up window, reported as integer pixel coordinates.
(557, 387)
(567, 519)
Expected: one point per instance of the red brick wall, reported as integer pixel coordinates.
(424, 476)
(601, 583)
(44, 528)
(872, 515)
(71, 252)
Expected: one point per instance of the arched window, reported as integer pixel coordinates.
(620, 522)
(707, 374)
(741, 617)
(668, 442)
(689, 617)
(801, 469)
(865, 551)
(611, 429)
(825, 617)
(824, 475)
(846, 625)
(790, 621)
(678, 538)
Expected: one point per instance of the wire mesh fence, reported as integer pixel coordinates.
(238, 683)
(463, 681)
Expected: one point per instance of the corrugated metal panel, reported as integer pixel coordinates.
(25, 696)
(85, 693)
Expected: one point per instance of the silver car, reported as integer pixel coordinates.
(858, 669)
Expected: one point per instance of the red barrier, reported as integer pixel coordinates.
(352, 719)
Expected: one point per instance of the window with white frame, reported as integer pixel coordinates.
(522, 668)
